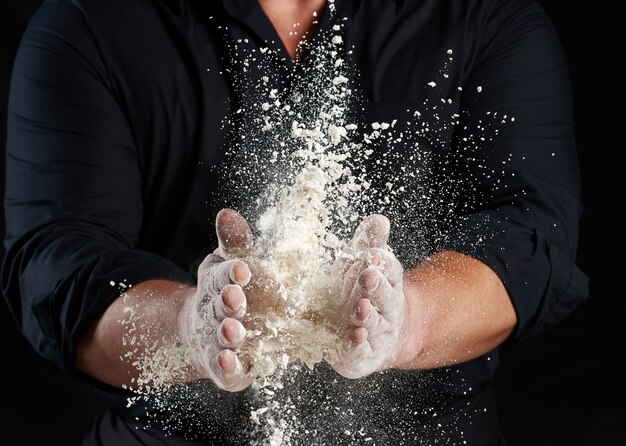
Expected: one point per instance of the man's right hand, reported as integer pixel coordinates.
(210, 319)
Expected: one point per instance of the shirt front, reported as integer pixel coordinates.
(120, 115)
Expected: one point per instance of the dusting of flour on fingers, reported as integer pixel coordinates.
(313, 286)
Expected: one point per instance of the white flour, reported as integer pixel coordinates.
(295, 250)
(316, 193)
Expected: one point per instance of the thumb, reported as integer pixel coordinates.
(372, 232)
(233, 234)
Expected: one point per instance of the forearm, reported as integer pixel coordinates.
(142, 320)
(457, 309)
(176, 332)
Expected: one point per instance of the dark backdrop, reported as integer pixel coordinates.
(561, 388)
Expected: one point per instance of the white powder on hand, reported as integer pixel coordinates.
(292, 313)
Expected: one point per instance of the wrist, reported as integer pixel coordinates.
(187, 314)
(188, 325)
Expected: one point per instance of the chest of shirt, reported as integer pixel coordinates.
(175, 77)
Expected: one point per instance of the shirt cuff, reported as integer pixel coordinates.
(79, 299)
(543, 282)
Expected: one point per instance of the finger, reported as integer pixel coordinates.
(372, 232)
(221, 274)
(350, 280)
(231, 303)
(239, 272)
(365, 315)
(377, 228)
(233, 234)
(355, 338)
(228, 373)
(230, 334)
(355, 346)
(340, 266)
(388, 264)
(375, 287)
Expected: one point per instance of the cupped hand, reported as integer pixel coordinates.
(371, 300)
(211, 320)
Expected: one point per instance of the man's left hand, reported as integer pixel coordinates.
(372, 301)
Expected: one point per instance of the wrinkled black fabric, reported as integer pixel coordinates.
(117, 110)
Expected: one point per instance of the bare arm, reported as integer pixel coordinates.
(158, 305)
(450, 309)
(457, 309)
(159, 314)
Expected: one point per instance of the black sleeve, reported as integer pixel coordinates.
(517, 110)
(73, 189)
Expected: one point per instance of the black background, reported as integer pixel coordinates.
(563, 387)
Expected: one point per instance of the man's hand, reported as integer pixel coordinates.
(210, 320)
(371, 300)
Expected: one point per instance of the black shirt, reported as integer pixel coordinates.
(118, 111)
